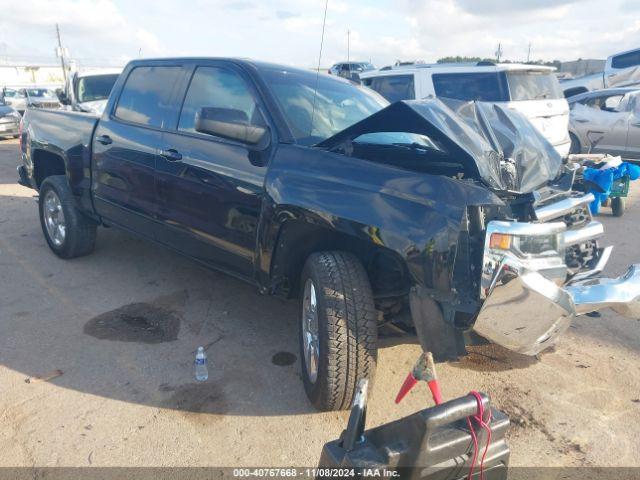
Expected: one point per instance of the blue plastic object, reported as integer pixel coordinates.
(602, 181)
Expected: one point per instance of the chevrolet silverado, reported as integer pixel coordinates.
(456, 221)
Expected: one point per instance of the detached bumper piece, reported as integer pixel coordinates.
(434, 443)
(526, 312)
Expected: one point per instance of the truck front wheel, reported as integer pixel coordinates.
(67, 231)
(338, 329)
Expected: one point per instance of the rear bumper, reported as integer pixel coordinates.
(23, 177)
(526, 312)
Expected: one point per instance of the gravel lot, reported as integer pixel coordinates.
(86, 380)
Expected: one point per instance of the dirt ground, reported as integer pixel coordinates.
(96, 362)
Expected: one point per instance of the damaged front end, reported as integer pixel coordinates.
(526, 257)
(528, 301)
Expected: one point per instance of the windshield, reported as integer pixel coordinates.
(95, 87)
(398, 139)
(533, 85)
(40, 92)
(338, 103)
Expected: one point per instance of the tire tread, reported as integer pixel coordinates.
(351, 326)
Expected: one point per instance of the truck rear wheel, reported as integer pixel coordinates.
(67, 231)
(338, 329)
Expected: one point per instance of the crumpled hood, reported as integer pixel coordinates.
(499, 145)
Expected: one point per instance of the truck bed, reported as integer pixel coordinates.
(66, 134)
(63, 129)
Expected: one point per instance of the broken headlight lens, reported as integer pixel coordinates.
(526, 245)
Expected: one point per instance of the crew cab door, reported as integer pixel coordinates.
(126, 144)
(210, 188)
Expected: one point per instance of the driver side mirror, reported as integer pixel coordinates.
(62, 97)
(231, 124)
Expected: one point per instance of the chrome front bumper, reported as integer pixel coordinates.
(525, 312)
(528, 302)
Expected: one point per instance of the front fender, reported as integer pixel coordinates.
(417, 216)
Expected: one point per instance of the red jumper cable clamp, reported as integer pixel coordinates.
(424, 370)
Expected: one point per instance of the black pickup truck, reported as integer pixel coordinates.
(456, 221)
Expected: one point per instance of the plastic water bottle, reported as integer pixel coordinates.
(202, 374)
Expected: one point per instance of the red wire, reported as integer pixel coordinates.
(478, 417)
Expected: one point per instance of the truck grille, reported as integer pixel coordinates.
(582, 231)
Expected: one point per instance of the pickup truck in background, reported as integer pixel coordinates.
(620, 70)
(88, 91)
(454, 221)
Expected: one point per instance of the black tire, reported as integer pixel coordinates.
(575, 144)
(347, 329)
(617, 206)
(80, 232)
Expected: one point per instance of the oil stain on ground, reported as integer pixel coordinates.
(136, 322)
(282, 359)
(205, 397)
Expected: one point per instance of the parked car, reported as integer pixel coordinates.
(350, 70)
(32, 97)
(309, 186)
(9, 121)
(15, 99)
(620, 70)
(530, 89)
(606, 121)
(88, 91)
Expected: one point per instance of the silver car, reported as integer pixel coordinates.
(9, 121)
(606, 121)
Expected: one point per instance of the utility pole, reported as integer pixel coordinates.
(60, 52)
(348, 46)
(499, 52)
(529, 53)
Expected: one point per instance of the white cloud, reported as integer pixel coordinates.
(288, 31)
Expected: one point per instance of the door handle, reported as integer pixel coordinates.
(581, 120)
(171, 154)
(104, 139)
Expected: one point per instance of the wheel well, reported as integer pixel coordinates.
(386, 270)
(575, 143)
(46, 164)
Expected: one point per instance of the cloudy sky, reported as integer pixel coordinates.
(110, 32)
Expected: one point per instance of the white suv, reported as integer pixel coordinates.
(532, 90)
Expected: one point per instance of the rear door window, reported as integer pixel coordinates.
(393, 87)
(216, 87)
(482, 86)
(626, 60)
(146, 96)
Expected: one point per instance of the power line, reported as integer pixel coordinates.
(315, 91)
